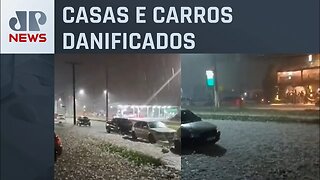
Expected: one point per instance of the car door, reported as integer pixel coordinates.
(137, 129)
(144, 130)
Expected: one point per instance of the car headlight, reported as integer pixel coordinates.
(170, 135)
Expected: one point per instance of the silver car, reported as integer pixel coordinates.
(153, 131)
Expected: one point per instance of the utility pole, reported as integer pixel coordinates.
(73, 64)
(107, 92)
(216, 90)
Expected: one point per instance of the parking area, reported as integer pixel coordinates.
(256, 150)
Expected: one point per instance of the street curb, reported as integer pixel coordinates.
(282, 119)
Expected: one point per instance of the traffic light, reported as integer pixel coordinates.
(210, 78)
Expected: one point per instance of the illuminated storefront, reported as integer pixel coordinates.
(146, 111)
(299, 84)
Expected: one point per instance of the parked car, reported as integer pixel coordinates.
(119, 125)
(153, 131)
(61, 118)
(175, 118)
(83, 120)
(57, 146)
(194, 131)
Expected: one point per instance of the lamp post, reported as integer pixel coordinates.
(74, 93)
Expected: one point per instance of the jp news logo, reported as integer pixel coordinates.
(28, 25)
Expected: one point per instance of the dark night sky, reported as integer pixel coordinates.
(133, 78)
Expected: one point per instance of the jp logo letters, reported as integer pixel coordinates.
(27, 25)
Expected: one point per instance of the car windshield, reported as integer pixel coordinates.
(157, 124)
(188, 117)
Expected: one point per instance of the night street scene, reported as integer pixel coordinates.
(187, 116)
(247, 116)
(115, 116)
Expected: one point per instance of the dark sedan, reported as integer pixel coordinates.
(194, 131)
(119, 125)
(83, 121)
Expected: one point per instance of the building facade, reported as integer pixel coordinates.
(298, 81)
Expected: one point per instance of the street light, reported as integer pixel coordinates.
(310, 58)
(81, 92)
(290, 75)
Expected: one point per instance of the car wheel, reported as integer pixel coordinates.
(118, 130)
(133, 134)
(151, 139)
(108, 130)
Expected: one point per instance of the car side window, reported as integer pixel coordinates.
(137, 125)
(188, 116)
(144, 125)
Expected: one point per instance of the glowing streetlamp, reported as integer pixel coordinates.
(81, 92)
(310, 58)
